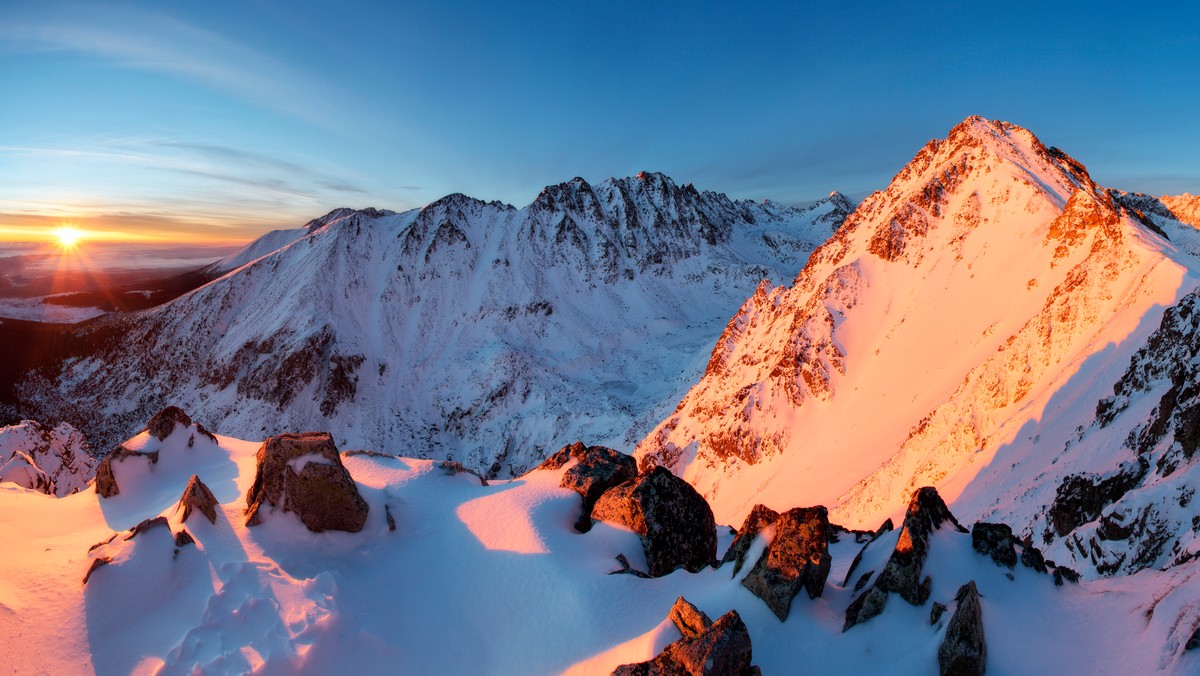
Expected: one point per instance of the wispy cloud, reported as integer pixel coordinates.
(162, 44)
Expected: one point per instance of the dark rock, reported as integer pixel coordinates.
(722, 648)
(964, 650)
(797, 557)
(994, 540)
(1031, 557)
(886, 527)
(197, 497)
(1192, 643)
(627, 569)
(145, 526)
(862, 581)
(597, 469)
(1062, 573)
(106, 481)
(391, 520)
(935, 613)
(902, 573)
(759, 518)
(201, 430)
(183, 538)
(453, 467)
(164, 422)
(96, 563)
(322, 494)
(102, 543)
(674, 521)
(690, 620)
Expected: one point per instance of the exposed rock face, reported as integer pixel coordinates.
(106, 481)
(164, 422)
(598, 469)
(994, 540)
(303, 473)
(55, 461)
(674, 521)
(690, 620)
(797, 557)
(759, 518)
(964, 651)
(198, 498)
(721, 647)
(902, 574)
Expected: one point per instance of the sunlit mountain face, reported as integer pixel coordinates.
(631, 427)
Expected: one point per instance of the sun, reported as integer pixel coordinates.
(68, 237)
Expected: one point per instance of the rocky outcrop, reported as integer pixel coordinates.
(106, 480)
(163, 423)
(994, 540)
(708, 649)
(597, 469)
(690, 620)
(797, 557)
(303, 474)
(759, 518)
(55, 461)
(198, 498)
(964, 651)
(674, 521)
(902, 573)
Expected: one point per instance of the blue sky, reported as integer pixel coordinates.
(219, 120)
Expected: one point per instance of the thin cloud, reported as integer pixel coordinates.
(165, 45)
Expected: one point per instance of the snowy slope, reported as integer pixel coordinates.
(991, 289)
(52, 461)
(490, 580)
(466, 329)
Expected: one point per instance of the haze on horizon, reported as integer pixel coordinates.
(216, 122)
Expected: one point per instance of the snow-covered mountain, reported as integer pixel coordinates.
(54, 461)
(960, 330)
(466, 329)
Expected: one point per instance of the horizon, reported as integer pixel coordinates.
(137, 122)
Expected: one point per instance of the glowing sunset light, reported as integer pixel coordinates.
(68, 237)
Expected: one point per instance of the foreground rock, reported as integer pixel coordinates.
(55, 461)
(902, 573)
(706, 649)
(964, 651)
(796, 558)
(198, 498)
(759, 518)
(164, 422)
(106, 479)
(597, 469)
(303, 474)
(674, 521)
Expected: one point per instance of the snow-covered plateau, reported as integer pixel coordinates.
(964, 438)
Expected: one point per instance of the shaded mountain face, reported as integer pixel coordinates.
(958, 331)
(466, 329)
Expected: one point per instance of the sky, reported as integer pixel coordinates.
(216, 121)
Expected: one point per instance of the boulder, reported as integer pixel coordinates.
(797, 557)
(597, 469)
(964, 651)
(197, 498)
(721, 648)
(759, 518)
(994, 540)
(674, 521)
(902, 573)
(303, 474)
(164, 422)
